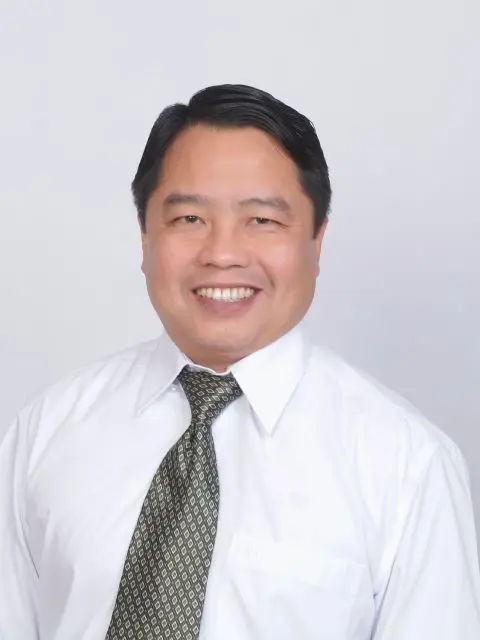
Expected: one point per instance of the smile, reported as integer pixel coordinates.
(226, 295)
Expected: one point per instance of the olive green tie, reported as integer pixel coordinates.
(164, 579)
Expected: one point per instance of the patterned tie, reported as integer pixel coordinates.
(164, 578)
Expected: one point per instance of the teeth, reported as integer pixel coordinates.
(226, 295)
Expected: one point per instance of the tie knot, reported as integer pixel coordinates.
(208, 394)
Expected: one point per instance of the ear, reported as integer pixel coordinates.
(318, 241)
(143, 240)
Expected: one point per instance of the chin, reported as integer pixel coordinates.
(231, 346)
(226, 346)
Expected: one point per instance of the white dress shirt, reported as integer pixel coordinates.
(344, 515)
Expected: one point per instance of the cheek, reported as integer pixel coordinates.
(162, 263)
(291, 265)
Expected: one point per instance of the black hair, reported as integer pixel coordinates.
(233, 106)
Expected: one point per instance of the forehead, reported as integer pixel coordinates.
(204, 157)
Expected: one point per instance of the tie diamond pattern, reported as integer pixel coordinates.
(164, 579)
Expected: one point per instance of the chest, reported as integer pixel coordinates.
(290, 550)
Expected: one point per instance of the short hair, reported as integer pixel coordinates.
(236, 106)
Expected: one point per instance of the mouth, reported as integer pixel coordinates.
(227, 294)
(223, 303)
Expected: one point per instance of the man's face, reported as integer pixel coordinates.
(229, 219)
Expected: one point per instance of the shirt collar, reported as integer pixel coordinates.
(268, 377)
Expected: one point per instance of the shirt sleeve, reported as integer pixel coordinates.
(433, 585)
(18, 578)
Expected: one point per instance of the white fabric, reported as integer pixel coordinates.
(344, 515)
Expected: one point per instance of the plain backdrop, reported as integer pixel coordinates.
(394, 92)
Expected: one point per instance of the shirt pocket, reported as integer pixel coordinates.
(290, 591)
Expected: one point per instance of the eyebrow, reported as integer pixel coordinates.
(186, 198)
(275, 202)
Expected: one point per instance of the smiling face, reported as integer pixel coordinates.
(229, 219)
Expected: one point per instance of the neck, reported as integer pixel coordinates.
(218, 367)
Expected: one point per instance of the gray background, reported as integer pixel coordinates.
(394, 90)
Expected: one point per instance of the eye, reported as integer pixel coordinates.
(264, 221)
(188, 219)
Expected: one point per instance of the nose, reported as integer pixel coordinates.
(224, 246)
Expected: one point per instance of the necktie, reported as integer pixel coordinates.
(164, 579)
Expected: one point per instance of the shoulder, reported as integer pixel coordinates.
(390, 450)
(105, 374)
(373, 418)
(74, 394)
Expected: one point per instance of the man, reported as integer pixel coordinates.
(231, 480)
